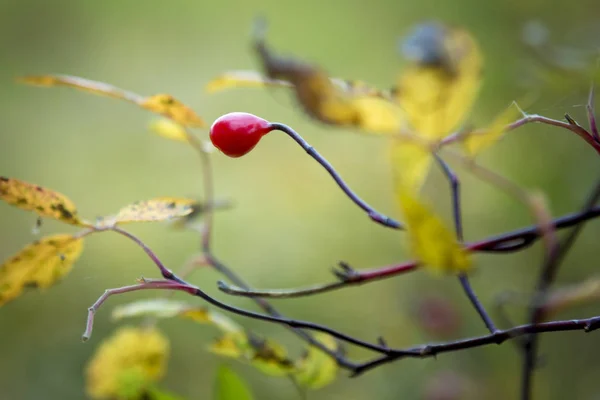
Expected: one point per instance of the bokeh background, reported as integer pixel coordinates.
(290, 223)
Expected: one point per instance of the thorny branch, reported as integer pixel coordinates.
(547, 276)
(504, 243)
(534, 118)
(173, 282)
(555, 255)
(432, 350)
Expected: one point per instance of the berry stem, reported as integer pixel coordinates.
(371, 212)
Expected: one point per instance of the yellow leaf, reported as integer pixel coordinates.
(198, 314)
(167, 105)
(266, 355)
(160, 209)
(221, 321)
(334, 102)
(169, 129)
(317, 369)
(377, 115)
(163, 104)
(254, 79)
(87, 85)
(438, 88)
(40, 264)
(227, 346)
(269, 357)
(432, 243)
(128, 362)
(243, 79)
(354, 87)
(476, 142)
(410, 164)
(42, 201)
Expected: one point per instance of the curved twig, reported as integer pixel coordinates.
(371, 212)
(458, 226)
(432, 350)
(531, 118)
(504, 243)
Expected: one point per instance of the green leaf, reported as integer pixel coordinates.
(164, 308)
(317, 369)
(229, 386)
(155, 393)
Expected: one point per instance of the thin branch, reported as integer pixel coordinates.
(389, 354)
(355, 278)
(372, 213)
(531, 118)
(516, 240)
(273, 315)
(504, 243)
(381, 347)
(208, 187)
(280, 293)
(267, 307)
(170, 285)
(455, 194)
(195, 291)
(432, 350)
(547, 276)
(458, 226)
(590, 113)
(164, 271)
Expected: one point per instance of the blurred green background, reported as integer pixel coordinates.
(291, 224)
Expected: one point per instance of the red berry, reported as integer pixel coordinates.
(235, 134)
